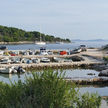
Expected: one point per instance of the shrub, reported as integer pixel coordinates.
(45, 89)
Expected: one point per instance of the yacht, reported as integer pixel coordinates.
(40, 42)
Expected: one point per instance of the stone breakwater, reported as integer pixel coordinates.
(89, 81)
(89, 61)
(83, 64)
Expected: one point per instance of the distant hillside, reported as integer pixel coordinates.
(11, 34)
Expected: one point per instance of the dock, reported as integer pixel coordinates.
(91, 57)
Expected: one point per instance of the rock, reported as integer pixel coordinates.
(100, 67)
(103, 73)
(91, 74)
(76, 58)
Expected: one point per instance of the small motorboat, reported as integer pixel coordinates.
(35, 60)
(43, 51)
(56, 59)
(63, 53)
(5, 61)
(16, 60)
(6, 70)
(10, 70)
(3, 47)
(45, 60)
(26, 60)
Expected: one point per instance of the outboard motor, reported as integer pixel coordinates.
(20, 70)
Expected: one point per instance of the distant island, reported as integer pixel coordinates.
(98, 40)
(11, 34)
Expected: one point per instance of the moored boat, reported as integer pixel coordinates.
(10, 70)
(6, 70)
(40, 42)
(45, 60)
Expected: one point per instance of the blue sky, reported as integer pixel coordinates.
(74, 19)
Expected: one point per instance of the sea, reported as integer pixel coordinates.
(65, 46)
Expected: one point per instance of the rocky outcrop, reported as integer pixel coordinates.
(104, 73)
(100, 67)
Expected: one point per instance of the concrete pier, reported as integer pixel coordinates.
(93, 57)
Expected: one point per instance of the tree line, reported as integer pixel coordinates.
(11, 34)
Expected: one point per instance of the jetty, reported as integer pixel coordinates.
(91, 57)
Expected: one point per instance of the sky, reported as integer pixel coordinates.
(73, 19)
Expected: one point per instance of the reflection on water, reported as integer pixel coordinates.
(73, 73)
(13, 77)
(69, 73)
(102, 91)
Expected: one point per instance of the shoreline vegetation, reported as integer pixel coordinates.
(11, 35)
(46, 90)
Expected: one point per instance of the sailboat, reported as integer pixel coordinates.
(40, 42)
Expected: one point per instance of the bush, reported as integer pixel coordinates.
(45, 89)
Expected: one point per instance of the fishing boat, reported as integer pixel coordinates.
(45, 60)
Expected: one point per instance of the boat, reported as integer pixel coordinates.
(43, 51)
(6, 70)
(45, 60)
(35, 60)
(10, 70)
(16, 60)
(83, 47)
(3, 47)
(63, 53)
(59, 42)
(5, 61)
(40, 42)
(59, 60)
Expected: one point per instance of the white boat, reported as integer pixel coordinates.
(45, 60)
(40, 43)
(59, 60)
(43, 51)
(5, 61)
(59, 42)
(10, 70)
(6, 70)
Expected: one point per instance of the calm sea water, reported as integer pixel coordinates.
(59, 46)
(76, 73)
